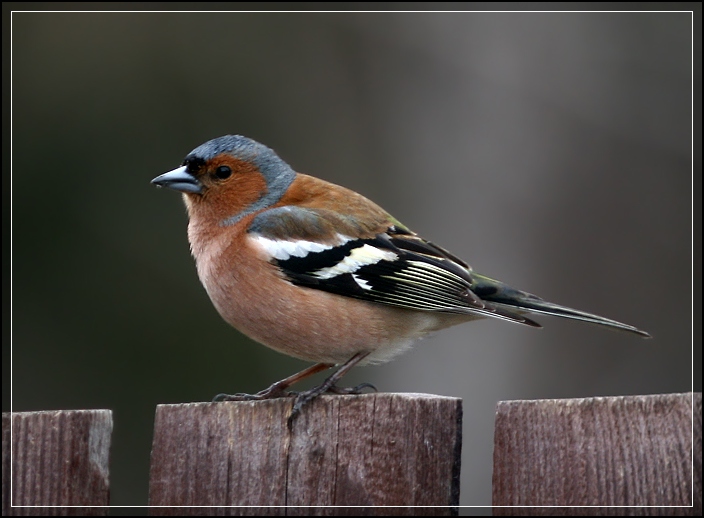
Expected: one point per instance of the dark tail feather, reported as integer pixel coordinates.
(497, 292)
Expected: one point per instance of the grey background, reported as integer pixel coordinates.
(550, 150)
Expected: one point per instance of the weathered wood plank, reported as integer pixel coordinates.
(395, 450)
(59, 459)
(612, 451)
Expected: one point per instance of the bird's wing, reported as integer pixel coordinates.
(377, 261)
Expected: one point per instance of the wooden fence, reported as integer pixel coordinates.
(374, 454)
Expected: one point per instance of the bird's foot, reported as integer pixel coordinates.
(305, 397)
(277, 390)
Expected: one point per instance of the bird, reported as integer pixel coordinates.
(319, 272)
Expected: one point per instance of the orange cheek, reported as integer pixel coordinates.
(233, 195)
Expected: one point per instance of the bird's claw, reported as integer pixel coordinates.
(305, 397)
(272, 392)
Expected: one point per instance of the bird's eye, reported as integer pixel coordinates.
(223, 172)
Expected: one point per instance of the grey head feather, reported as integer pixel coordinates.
(277, 173)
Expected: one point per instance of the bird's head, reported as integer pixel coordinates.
(230, 177)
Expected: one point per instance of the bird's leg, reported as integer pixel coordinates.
(329, 386)
(278, 389)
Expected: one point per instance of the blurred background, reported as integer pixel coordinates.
(550, 150)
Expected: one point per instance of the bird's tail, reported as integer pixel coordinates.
(499, 293)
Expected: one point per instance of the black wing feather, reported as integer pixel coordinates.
(422, 277)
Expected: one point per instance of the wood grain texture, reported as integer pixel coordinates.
(59, 458)
(610, 451)
(353, 452)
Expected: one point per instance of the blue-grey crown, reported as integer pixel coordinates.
(266, 160)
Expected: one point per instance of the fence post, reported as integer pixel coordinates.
(605, 451)
(369, 450)
(59, 458)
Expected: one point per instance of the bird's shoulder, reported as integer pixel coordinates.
(315, 209)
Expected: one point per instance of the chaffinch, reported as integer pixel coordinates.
(321, 273)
